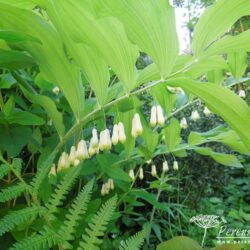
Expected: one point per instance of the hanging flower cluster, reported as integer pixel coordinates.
(207, 112)
(157, 116)
(107, 187)
(195, 116)
(118, 134)
(183, 123)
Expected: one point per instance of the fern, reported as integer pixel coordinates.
(43, 172)
(134, 242)
(98, 225)
(4, 169)
(62, 189)
(15, 218)
(78, 209)
(12, 192)
(44, 240)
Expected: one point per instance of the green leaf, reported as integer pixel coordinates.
(12, 192)
(49, 55)
(229, 44)
(237, 63)
(106, 35)
(9, 106)
(224, 159)
(220, 101)
(11, 36)
(217, 20)
(172, 134)
(219, 134)
(106, 162)
(13, 139)
(4, 169)
(150, 25)
(10, 59)
(179, 243)
(24, 118)
(50, 108)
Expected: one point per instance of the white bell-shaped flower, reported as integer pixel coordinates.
(160, 116)
(107, 140)
(207, 112)
(76, 162)
(141, 175)
(183, 123)
(72, 155)
(95, 141)
(52, 170)
(56, 90)
(165, 167)
(175, 165)
(115, 134)
(101, 142)
(103, 190)
(111, 184)
(153, 171)
(242, 93)
(153, 116)
(137, 128)
(63, 162)
(195, 115)
(91, 151)
(82, 150)
(131, 174)
(121, 133)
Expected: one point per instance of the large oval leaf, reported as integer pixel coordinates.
(221, 101)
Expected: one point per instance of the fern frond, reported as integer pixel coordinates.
(15, 218)
(4, 169)
(43, 172)
(76, 212)
(134, 242)
(98, 225)
(44, 240)
(12, 192)
(62, 189)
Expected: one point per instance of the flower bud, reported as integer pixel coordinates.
(242, 93)
(63, 162)
(132, 174)
(165, 167)
(115, 134)
(111, 184)
(137, 128)
(82, 150)
(153, 171)
(72, 155)
(107, 143)
(153, 117)
(160, 116)
(207, 112)
(101, 142)
(141, 175)
(56, 90)
(175, 165)
(183, 123)
(106, 188)
(91, 151)
(121, 133)
(103, 190)
(195, 115)
(76, 162)
(95, 141)
(52, 170)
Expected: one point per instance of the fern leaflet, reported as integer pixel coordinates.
(12, 192)
(4, 169)
(62, 189)
(77, 210)
(134, 242)
(44, 240)
(15, 218)
(98, 225)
